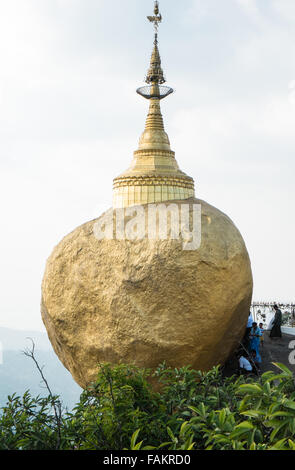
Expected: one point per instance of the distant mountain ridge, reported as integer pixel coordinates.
(18, 373)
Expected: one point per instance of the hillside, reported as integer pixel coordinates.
(18, 373)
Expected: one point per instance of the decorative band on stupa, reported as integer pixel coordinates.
(154, 175)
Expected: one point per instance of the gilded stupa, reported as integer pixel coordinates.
(154, 175)
(147, 301)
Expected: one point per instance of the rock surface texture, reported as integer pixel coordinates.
(144, 302)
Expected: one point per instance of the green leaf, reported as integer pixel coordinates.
(283, 368)
(245, 425)
(134, 438)
(276, 377)
(289, 404)
(243, 428)
(281, 413)
(253, 413)
(194, 409)
(191, 447)
(249, 388)
(164, 444)
(222, 417)
(279, 445)
(171, 435)
(277, 430)
(138, 446)
(183, 428)
(267, 375)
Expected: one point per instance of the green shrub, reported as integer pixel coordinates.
(193, 410)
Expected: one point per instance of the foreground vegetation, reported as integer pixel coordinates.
(193, 410)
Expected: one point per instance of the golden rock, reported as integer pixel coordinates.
(144, 302)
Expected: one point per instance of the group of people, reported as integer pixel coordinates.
(249, 356)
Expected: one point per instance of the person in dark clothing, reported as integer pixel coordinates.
(276, 326)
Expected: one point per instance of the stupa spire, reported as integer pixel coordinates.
(155, 73)
(154, 175)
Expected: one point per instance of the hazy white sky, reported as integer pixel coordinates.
(70, 120)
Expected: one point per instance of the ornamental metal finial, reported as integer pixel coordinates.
(155, 76)
(157, 19)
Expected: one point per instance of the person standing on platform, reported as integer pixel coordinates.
(246, 340)
(254, 336)
(261, 327)
(276, 326)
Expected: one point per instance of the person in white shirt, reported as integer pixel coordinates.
(244, 364)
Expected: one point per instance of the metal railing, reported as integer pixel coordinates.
(261, 312)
